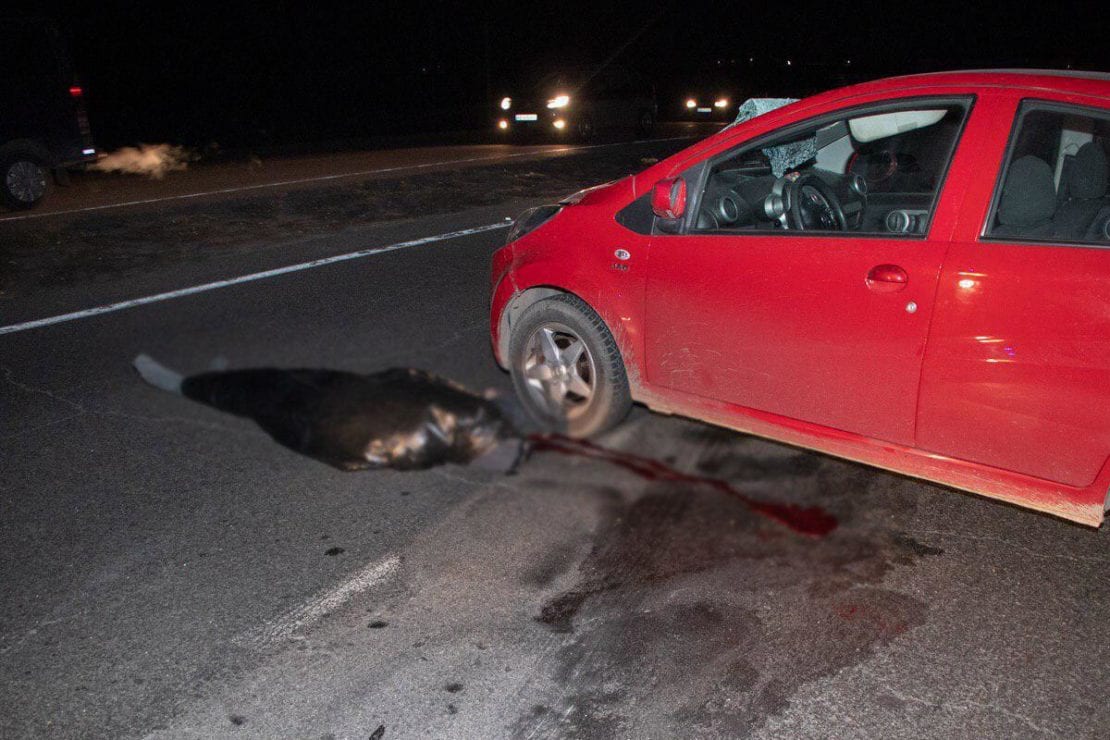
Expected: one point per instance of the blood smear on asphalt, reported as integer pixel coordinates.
(811, 521)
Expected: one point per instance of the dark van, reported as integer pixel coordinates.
(43, 125)
(578, 103)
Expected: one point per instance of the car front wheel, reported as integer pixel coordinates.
(567, 369)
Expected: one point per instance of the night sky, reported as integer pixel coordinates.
(252, 76)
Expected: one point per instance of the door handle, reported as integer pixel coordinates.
(887, 279)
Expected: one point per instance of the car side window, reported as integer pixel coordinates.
(872, 170)
(1053, 186)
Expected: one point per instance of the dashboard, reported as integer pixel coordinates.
(810, 199)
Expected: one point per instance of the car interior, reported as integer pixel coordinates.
(873, 173)
(1055, 187)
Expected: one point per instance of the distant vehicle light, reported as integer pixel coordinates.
(506, 103)
(721, 103)
(691, 103)
(559, 124)
(502, 124)
(88, 152)
(76, 91)
(559, 101)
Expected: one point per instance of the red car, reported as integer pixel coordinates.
(913, 273)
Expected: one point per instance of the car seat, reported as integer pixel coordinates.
(1028, 200)
(1085, 185)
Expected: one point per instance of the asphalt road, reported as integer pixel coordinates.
(221, 177)
(170, 571)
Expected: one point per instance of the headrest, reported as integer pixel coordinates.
(1029, 195)
(1087, 178)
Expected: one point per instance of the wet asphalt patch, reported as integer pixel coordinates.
(689, 612)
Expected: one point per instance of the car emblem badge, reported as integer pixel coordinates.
(622, 254)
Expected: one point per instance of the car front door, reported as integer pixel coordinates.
(826, 327)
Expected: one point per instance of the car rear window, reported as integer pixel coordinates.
(1053, 184)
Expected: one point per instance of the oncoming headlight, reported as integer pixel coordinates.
(559, 101)
(506, 103)
(531, 220)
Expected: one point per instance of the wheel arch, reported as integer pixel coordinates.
(27, 146)
(517, 304)
(525, 299)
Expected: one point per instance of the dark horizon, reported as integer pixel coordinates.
(295, 73)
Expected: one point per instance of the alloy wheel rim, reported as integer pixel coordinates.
(26, 181)
(559, 371)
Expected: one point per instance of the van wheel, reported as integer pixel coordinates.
(23, 180)
(567, 369)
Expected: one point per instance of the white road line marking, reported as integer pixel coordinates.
(181, 292)
(293, 621)
(340, 176)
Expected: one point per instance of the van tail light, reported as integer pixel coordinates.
(668, 198)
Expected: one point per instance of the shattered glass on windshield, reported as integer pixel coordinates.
(784, 157)
(753, 107)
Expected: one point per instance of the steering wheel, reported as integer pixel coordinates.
(810, 204)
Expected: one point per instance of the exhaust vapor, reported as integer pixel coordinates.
(152, 160)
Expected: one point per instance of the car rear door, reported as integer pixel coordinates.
(1017, 372)
(790, 323)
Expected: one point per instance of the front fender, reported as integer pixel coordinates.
(619, 309)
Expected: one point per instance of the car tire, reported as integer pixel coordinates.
(646, 123)
(24, 180)
(590, 394)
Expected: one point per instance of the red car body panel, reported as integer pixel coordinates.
(788, 325)
(567, 255)
(1020, 342)
(998, 383)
